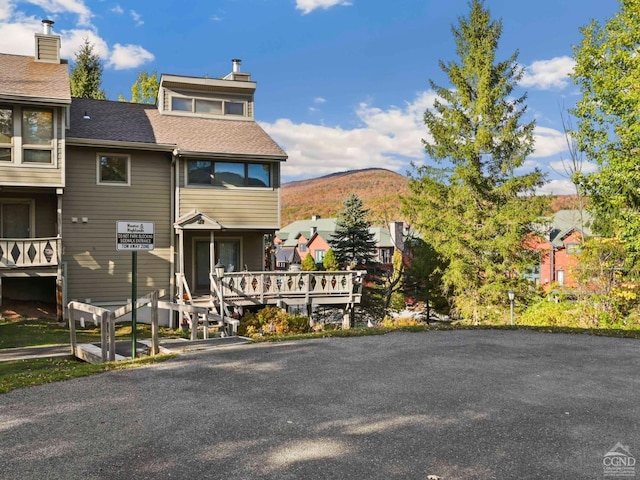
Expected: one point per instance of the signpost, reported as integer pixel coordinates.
(134, 236)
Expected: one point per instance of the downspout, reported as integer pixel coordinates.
(172, 262)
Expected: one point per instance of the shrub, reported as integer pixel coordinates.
(389, 322)
(272, 321)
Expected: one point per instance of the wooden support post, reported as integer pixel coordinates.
(110, 321)
(346, 318)
(72, 329)
(194, 326)
(155, 347)
(104, 330)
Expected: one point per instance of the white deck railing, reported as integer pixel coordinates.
(263, 286)
(29, 252)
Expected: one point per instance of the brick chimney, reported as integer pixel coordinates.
(47, 44)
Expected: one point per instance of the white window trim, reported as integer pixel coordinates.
(193, 98)
(113, 184)
(196, 239)
(18, 146)
(186, 183)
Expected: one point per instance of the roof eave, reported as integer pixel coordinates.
(90, 142)
(253, 156)
(48, 101)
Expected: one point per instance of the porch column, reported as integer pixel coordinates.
(59, 279)
(180, 263)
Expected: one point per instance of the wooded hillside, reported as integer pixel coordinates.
(378, 188)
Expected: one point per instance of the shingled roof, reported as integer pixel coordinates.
(132, 122)
(21, 76)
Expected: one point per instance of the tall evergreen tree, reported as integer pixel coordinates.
(608, 74)
(472, 208)
(352, 243)
(86, 75)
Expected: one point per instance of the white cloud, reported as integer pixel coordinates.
(386, 138)
(548, 74)
(308, 6)
(66, 6)
(561, 166)
(72, 40)
(319, 100)
(548, 142)
(117, 9)
(6, 9)
(17, 37)
(557, 187)
(128, 56)
(136, 18)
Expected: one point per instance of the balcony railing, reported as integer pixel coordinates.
(29, 252)
(264, 287)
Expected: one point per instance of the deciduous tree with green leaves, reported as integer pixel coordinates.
(472, 207)
(352, 243)
(86, 74)
(608, 73)
(145, 88)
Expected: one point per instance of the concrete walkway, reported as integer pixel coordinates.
(25, 353)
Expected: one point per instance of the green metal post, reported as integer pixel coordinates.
(134, 295)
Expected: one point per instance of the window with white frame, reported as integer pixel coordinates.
(319, 255)
(235, 174)
(113, 169)
(37, 135)
(208, 106)
(6, 134)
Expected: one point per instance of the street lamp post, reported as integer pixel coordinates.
(219, 271)
(512, 296)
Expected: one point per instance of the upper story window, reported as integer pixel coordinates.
(113, 170)
(236, 174)
(208, 106)
(37, 135)
(6, 134)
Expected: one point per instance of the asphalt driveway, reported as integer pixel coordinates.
(454, 404)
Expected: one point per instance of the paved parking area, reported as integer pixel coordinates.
(455, 404)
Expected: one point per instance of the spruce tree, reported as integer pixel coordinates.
(86, 75)
(471, 206)
(352, 243)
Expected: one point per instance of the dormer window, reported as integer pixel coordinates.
(205, 106)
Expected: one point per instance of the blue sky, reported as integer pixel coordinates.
(342, 84)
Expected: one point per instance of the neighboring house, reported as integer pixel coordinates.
(559, 244)
(197, 165)
(303, 237)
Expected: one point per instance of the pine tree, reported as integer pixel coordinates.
(86, 75)
(308, 264)
(352, 243)
(329, 261)
(472, 208)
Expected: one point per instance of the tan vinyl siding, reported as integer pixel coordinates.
(233, 207)
(48, 48)
(21, 175)
(94, 268)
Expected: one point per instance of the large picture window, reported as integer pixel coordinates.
(37, 135)
(113, 169)
(236, 174)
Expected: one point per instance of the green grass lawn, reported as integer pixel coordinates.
(27, 373)
(37, 332)
(32, 332)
